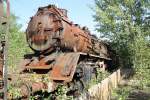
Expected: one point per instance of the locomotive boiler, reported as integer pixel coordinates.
(64, 53)
(50, 29)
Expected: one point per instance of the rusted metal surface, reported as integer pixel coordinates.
(61, 67)
(28, 84)
(38, 62)
(28, 88)
(49, 34)
(60, 47)
(50, 29)
(65, 67)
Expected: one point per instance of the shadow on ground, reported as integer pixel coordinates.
(138, 95)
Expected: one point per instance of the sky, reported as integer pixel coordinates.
(79, 11)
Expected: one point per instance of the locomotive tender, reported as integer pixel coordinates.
(63, 51)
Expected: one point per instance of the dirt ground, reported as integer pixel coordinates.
(138, 95)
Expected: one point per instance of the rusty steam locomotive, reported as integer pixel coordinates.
(64, 52)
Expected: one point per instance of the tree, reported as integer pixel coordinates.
(122, 22)
(125, 23)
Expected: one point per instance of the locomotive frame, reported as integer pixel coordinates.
(63, 54)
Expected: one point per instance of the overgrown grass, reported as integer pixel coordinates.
(121, 93)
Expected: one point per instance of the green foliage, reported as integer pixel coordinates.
(121, 22)
(101, 75)
(125, 23)
(17, 45)
(121, 94)
(15, 93)
(61, 93)
(14, 89)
